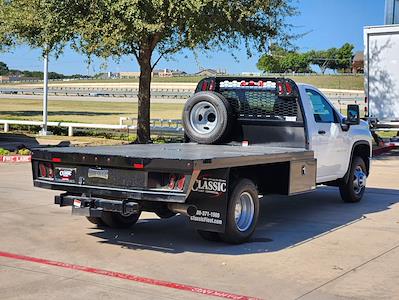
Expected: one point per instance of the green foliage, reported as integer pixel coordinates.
(4, 151)
(23, 152)
(280, 60)
(333, 58)
(3, 69)
(5, 38)
(39, 24)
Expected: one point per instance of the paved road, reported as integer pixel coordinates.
(309, 247)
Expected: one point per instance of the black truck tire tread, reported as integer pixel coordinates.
(95, 220)
(116, 220)
(232, 235)
(209, 235)
(346, 188)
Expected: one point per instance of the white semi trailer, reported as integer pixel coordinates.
(381, 70)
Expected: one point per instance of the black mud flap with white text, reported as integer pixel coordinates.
(210, 195)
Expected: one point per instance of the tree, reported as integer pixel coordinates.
(144, 27)
(5, 39)
(344, 57)
(39, 24)
(3, 69)
(333, 58)
(280, 60)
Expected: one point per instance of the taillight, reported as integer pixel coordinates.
(166, 181)
(46, 170)
(212, 85)
(176, 182)
(288, 88)
(204, 86)
(172, 181)
(180, 182)
(280, 88)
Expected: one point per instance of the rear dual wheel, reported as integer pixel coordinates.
(242, 215)
(115, 220)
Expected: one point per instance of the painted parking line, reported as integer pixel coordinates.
(130, 277)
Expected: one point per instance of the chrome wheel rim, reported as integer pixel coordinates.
(203, 117)
(244, 211)
(359, 180)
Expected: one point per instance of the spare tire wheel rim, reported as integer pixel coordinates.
(203, 117)
(359, 180)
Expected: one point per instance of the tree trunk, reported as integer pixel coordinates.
(143, 122)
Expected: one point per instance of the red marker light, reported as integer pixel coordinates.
(172, 181)
(212, 85)
(280, 88)
(56, 159)
(288, 87)
(138, 166)
(180, 182)
(204, 86)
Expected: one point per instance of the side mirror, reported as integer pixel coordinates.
(353, 115)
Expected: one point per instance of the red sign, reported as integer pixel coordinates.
(14, 158)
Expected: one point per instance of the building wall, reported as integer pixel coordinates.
(391, 12)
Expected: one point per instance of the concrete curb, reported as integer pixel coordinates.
(15, 158)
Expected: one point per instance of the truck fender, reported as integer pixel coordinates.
(357, 143)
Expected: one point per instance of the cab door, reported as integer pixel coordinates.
(328, 140)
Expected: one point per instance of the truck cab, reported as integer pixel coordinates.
(334, 142)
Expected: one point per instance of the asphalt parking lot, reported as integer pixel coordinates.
(311, 246)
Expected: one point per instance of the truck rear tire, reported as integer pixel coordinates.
(164, 213)
(117, 220)
(242, 212)
(95, 220)
(353, 190)
(207, 118)
(209, 235)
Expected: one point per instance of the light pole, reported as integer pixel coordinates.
(44, 131)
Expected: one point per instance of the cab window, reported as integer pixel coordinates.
(322, 110)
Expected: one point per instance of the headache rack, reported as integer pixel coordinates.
(257, 98)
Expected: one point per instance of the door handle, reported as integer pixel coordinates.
(322, 132)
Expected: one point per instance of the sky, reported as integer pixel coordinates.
(328, 23)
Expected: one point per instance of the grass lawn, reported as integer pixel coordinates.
(83, 112)
(333, 81)
(346, 82)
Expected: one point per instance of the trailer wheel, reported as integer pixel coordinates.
(207, 118)
(95, 220)
(242, 212)
(353, 190)
(117, 220)
(209, 235)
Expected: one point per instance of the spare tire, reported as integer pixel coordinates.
(207, 118)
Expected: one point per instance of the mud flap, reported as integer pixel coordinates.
(210, 195)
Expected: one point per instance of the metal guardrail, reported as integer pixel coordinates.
(103, 92)
(155, 127)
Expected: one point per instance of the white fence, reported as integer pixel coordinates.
(173, 126)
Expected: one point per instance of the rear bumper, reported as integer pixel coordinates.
(145, 195)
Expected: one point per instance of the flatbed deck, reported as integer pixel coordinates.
(201, 156)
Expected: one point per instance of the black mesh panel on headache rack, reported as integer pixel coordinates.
(260, 103)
